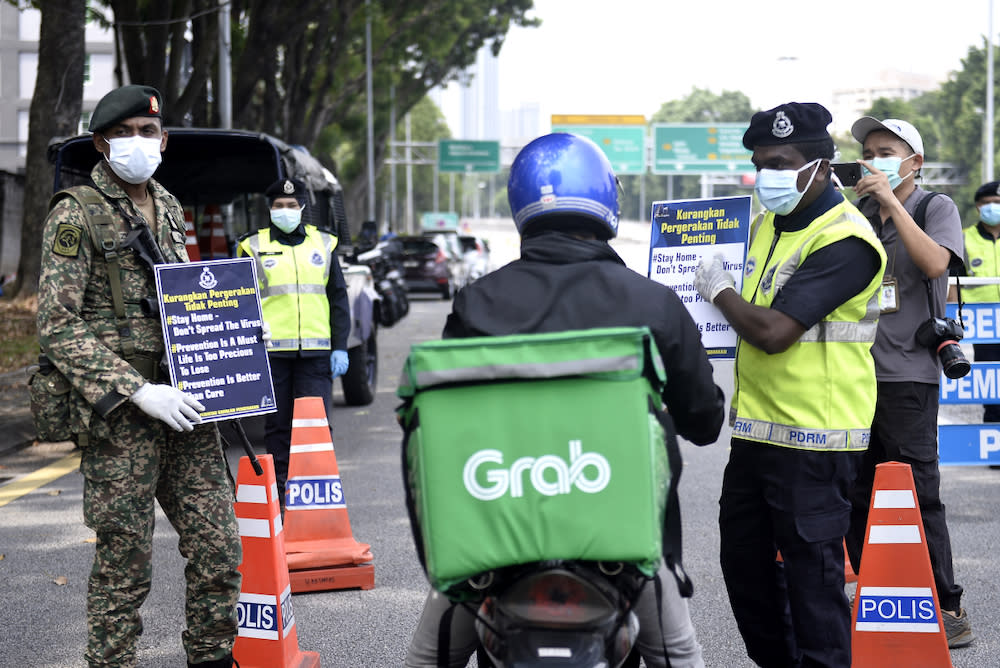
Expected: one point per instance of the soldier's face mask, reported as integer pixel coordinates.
(134, 159)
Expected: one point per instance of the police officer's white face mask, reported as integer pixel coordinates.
(135, 158)
(778, 190)
(286, 219)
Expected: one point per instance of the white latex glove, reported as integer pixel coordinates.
(339, 363)
(165, 402)
(265, 333)
(711, 278)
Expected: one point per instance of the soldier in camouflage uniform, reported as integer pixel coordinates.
(141, 439)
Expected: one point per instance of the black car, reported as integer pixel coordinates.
(427, 266)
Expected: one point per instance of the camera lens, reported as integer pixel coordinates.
(953, 361)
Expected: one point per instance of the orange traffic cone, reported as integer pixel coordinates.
(191, 241)
(213, 234)
(267, 636)
(897, 619)
(320, 548)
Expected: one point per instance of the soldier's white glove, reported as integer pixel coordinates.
(711, 278)
(165, 402)
(265, 333)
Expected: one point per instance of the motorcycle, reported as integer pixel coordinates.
(519, 521)
(559, 613)
(384, 261)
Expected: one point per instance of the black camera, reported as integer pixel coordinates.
(942, 336)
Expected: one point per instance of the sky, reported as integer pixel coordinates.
(630, 56)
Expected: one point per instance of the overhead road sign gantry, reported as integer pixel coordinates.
(693, 148)
(468, 155)
(621, 137)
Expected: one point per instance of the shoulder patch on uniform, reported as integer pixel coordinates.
(67, 240)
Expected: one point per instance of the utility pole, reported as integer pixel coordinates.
(988, 134)
(370, 149)
(225, 97)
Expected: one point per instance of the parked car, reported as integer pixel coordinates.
(227, 172)
(476, 255)
(427, 265)
(448, 240)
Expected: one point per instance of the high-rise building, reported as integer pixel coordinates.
(479, 91)
(19, 34)
(850, 104)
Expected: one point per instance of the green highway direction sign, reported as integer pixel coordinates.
(468, 156)
(625, 145)
(693, 148)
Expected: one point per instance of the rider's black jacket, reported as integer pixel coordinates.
(562, 283)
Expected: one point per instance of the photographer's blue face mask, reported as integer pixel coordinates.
(890, 167)
(989, 213)
(778, 190)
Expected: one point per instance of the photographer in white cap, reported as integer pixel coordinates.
(922, 235)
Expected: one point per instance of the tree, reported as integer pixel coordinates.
(299, 66)
(153, 37)
(959, 108)
(55, 111)
(699, 106)
(427, 124)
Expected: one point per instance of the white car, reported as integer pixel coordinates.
(476, 257)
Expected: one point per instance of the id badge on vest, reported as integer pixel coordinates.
(888, 297)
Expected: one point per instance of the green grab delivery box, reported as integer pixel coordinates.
(534, 447)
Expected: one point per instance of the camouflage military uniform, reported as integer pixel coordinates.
(129, 459)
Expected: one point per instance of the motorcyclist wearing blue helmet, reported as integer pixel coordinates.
(564, 199)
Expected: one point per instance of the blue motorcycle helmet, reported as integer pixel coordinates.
(562, 180)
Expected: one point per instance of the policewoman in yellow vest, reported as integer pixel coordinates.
(304, 300)
(982, 258)
(804, 393)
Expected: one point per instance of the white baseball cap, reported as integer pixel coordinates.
(905, 131)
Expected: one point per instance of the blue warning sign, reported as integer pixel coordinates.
(897, 609)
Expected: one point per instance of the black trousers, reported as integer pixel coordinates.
(793, 612)
(293, 377)
(988, 352)
(905, 430)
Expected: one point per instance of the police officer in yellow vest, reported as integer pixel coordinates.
(982, 258)
(804, 393)
(304, 299)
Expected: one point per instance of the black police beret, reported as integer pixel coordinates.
(125, 102)
(286, 188)
(790, 123)
(988, 189)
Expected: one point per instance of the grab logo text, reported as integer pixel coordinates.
(549, 474)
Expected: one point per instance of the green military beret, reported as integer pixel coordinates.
(125, 102)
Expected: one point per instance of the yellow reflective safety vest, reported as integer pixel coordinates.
(293, 283)
(982, 258)
(820, 393)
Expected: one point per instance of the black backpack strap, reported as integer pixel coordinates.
(672, 538)
(658, 588)
(103, 233)
(444, 636)
(920, 218)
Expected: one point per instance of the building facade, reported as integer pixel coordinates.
(19, 34)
